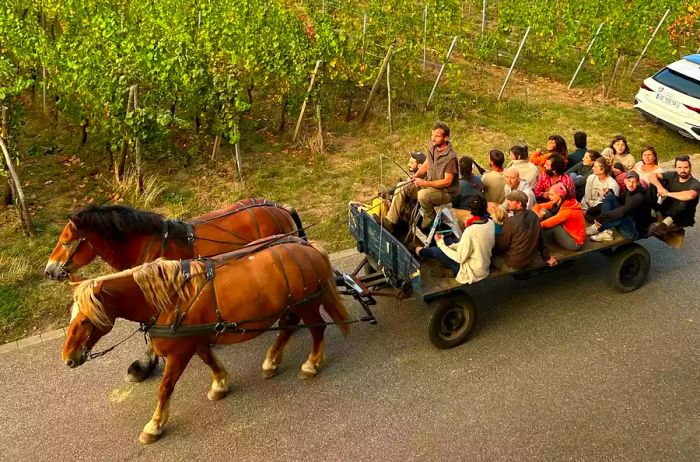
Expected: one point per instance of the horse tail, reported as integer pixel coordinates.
(332, 304)
(297, 220)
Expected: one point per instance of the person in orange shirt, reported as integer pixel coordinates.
(562, 219)
(556, 145)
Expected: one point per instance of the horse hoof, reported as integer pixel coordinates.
(306, 375)
(216, 395)
(269, 373)
(138, 373)
(148, 438)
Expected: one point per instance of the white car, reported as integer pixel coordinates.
(672, 97)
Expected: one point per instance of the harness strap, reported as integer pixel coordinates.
(230, 327)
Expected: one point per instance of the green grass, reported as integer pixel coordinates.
(186, 184)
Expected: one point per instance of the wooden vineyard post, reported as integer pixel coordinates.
(483, 20)
(137, 144)
(373, 91)
(620, 58)
(24, 212)
(388, 95)
(322, 147)
(425, 31)
(515, 60)
(306, 100)
(217, 143)
(238, 160)
(442, 69)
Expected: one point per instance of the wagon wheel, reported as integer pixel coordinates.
(452, 320)
(629, 267)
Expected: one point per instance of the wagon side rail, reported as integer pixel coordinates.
(385, 254)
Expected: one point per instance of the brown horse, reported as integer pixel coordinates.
(228, 299)
(124, 237)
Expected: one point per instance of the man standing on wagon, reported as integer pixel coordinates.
(435, 182)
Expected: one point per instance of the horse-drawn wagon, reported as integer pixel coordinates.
(389, 268)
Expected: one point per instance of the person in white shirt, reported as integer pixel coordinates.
(470, 258)
(597, 185)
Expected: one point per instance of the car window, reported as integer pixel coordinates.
(678, 82)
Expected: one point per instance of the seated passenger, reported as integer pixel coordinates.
(648, 166)
(493, 180)
(556, 146)
(678, 196)
(619, 174)
(580, 141)
(515, 183)
(580, 172)
(518, 159)
(619, 151)
(469, 185)
(554, 172)
(631, 214)
(566, 225)
(469, 259)
(596, 186)
(520, 240)
(415, 161)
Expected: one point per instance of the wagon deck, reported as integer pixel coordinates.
(390, 269)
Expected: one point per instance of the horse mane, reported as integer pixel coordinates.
(88, 303)
(115, 222)
(160, 279)
(157, 280)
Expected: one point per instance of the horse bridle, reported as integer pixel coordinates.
(63, 272)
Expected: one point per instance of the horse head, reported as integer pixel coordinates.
(73, 250)
(89, 323)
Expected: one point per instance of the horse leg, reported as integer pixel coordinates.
(276, 351)
(141, 369)
(219, 375)
(310, 368)
(174, 368)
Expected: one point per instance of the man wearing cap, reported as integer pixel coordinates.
(435, 182)
(515, 183)
(520, 240)
(630, 214)
(678, 192)
(415, 161)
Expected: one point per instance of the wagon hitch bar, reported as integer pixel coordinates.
(347, 285)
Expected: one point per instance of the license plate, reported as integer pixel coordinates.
(667, 99)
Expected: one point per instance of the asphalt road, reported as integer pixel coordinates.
(560, 367)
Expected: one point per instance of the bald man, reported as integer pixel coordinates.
(515, 183)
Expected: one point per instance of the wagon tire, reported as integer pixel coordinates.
(452, 320)
(629, 267)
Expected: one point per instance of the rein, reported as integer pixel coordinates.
(88, 355)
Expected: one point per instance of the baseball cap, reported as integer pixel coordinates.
(518, 196)
(419, 156)
(633, 174)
